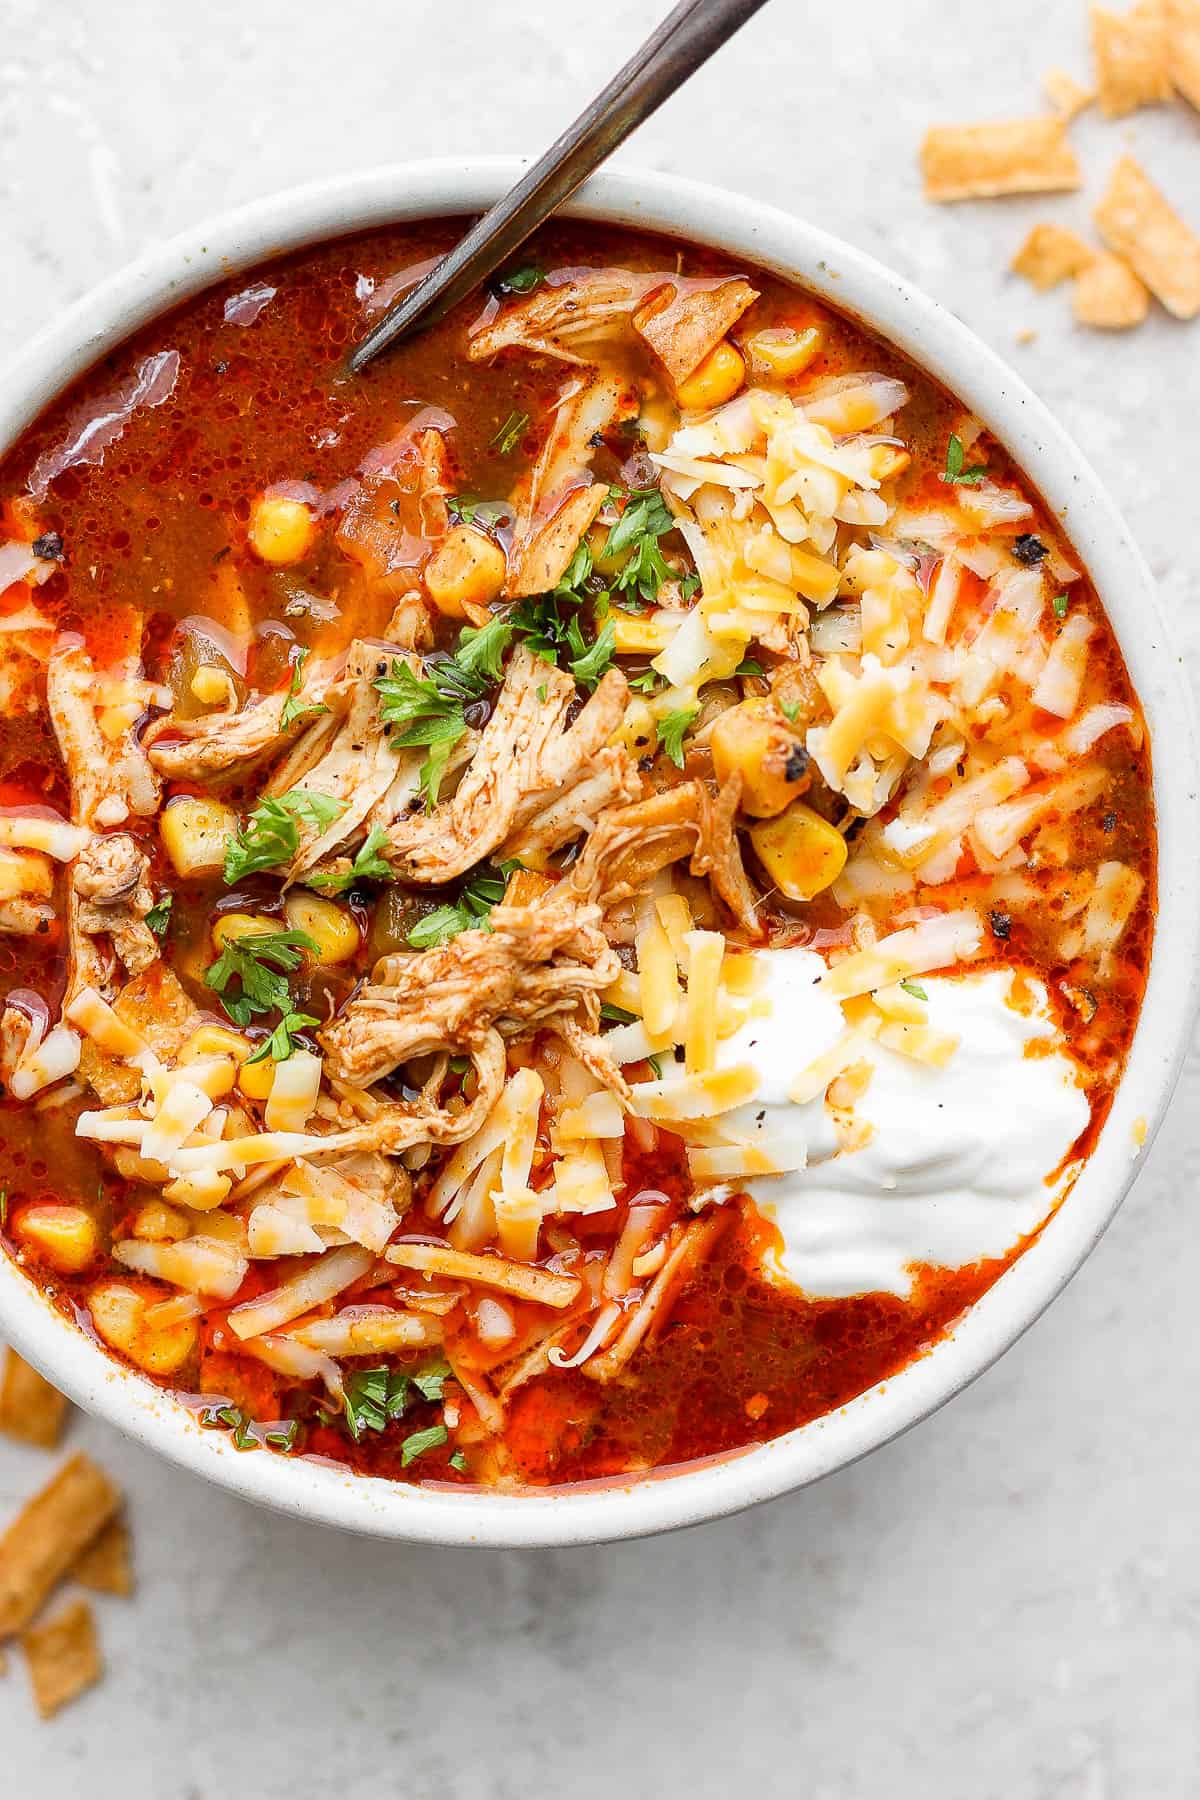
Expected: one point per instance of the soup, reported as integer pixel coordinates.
(568, 903)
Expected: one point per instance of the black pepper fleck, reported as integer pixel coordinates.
(1029, 550)
(1001, 925)
(796, 766)
(49, 546)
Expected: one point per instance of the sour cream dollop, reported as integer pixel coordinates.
(957, 1163)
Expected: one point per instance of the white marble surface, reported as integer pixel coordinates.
(1003, 1605)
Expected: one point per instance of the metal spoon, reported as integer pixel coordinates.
(686, 38)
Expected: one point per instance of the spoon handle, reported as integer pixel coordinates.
(685, 39)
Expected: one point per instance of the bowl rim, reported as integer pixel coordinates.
(856, 283)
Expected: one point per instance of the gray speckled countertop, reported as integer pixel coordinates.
(1005, 1604)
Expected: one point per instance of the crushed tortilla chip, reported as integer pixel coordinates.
(1051, 254)
(63, 1657)
(48, 1535)
(1008, 156)
(1130, 50)
(104, 1567)
(31, 1408)
(1183, 47)
(1137, 221)
(1108, 295)
(1066, 95)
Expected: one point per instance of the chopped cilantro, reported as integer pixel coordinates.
(590, 664)
(282, 1042)
(511, 433)
(458, 1463)
(233, 1420)
(615, 1015)
(521, 281)
(368, 865)
(644, 520)
(376, 1398)
(915, 989)
(790, 710)
(481, 648)
(159, 916)
(260, 964)
(656, 1064)
(671, 731)
(748, 666)
(486, 513)
(418, 1442)
(470, 910)
(271, 833)
(1060, 603)
(293, 709)
(430, 710)
(283, 1436)
(954, 474)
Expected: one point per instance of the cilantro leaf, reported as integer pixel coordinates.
(281, 1043)
(159, 916)
(915, 989)
(588, 667)
(645, 519)
(260, 964)
(481, 648)
(510, 433)
(954, 474)
(368, 865)
(418, 1442)
(521, 281)
(430, 1382)
(749, 666)
(375, 1398)
(671, 731)
(458, 1463)
(1060, 603)
(615, 1015)
(647, 682)
(468, 913)
(271, 833)
(293, 707)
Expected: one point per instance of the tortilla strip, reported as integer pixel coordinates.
(63, 1657)
(1051, 254)
(488, 1271)
(1130, 51)
(1108, 295)
(104, 1567)
(31, 1408)
(1007, 156)
(692, 323)
(1183, 47)
(1066, 95)
(47, 1536)
(1137, 222)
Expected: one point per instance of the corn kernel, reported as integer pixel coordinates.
(717, 379)
(281, 530)
(784, 351)
(753, 739)
(801, 852)
(118, 1312)
(331, 928)
(468, 568)
(234, 925)
(215, 1040)
(195, 832)
(213, 686)
(25, 873)
(255, 1079)
(65, 1236)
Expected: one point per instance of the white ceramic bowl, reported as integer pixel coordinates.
(949, 351)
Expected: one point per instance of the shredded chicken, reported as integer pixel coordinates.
(109, 881)
(357, 765)
(225, 743)
(557, 502)
(110, 777)
(536, 965)
(533, 779)
(631, 844)
(566, 318)
(691, 325)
